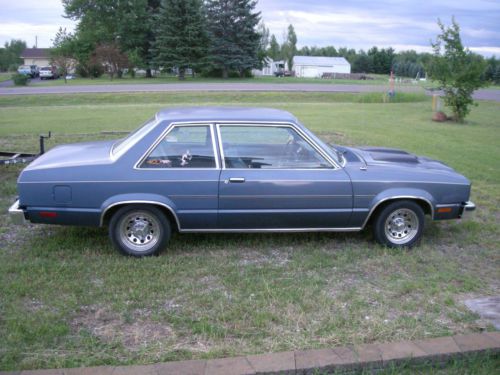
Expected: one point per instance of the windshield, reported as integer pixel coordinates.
(124, 144)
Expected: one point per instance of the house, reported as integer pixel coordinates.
(270, 68)
(316, 66)
(36, 56)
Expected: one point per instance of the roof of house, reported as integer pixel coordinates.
(319, 60)
(32, 53)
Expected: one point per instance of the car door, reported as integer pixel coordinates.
(274, 177)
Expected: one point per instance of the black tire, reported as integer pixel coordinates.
(139, 230)
(399, 224)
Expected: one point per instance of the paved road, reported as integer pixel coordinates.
(484, 94)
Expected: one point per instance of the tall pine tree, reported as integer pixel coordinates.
(234, 40)
(181, 39)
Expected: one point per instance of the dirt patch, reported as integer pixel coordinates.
(133, 333)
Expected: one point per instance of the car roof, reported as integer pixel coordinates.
(214, 114)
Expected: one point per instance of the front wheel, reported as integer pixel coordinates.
(399, 224)
(139, 230)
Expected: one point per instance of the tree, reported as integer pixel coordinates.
(127, 24)
(262, 53)
(63, 52)
(9, 55)
(289, 47)
(457, 70)
(180, 37)
(363, 63)
(109, 55)
(234, 41)
(274, 51)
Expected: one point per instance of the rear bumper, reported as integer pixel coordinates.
(16, 214)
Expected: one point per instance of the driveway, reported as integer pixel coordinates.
(484, 94)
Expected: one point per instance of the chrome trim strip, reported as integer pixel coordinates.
(115, 182)
(284, 196)
(103, 214)
(448, 205)
(272, 230)
(395, 198)
(169, 128)
(407, 182)
(16, 214)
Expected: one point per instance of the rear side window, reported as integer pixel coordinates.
(183, 147)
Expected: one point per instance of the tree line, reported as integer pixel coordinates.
(218, 37)
(212, 37)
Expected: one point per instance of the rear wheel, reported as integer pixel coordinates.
(399, 224)
(139, 230)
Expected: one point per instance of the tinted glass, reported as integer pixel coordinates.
(183, 147)
(271, 147)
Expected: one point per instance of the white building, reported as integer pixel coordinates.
(270, 68)
(316, 66)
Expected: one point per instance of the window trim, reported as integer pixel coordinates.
(304, 136)
(162, 136)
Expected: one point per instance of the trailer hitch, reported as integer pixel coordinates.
(42, 142)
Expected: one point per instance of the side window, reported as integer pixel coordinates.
(271, 147)
(183, 147)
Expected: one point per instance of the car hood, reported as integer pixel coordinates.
(76, 154)
(391, 156)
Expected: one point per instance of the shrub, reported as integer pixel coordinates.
(20, 79)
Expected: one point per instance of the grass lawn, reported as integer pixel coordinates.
(5, 76)
(104, 80)
(67, 298)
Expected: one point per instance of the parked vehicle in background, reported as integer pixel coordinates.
(49, 72)
(28, 70)
(212, 169)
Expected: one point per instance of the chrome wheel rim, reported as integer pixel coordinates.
(401, 226)
(140, 231)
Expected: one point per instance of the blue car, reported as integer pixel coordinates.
(210, 169)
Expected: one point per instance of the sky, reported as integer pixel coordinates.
(359, 24)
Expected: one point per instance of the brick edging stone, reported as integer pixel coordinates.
(305, 362)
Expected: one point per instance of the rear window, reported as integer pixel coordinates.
(124, 144)
(46, 68)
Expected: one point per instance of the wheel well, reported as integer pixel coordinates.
(426, 207)
(168, 214)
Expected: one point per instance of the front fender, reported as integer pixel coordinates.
(401, 193)
(138, 198)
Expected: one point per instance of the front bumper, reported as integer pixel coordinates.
(467, 210)
(16, 214)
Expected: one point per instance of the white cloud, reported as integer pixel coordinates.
(28, 32)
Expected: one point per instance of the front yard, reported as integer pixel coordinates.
(67, 298)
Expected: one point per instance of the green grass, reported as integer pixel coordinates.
(105, 80)
(67, 298)
(5, 76)
(479, 364)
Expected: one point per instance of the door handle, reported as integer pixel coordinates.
(237, 180)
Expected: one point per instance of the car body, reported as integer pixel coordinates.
(209, 169)
(49, 72)
(28, 70)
